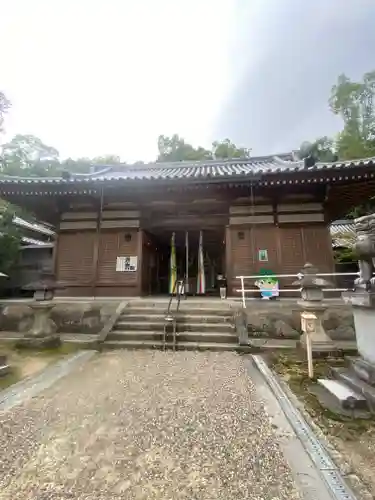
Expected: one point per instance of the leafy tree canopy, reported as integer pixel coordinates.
(10, 238)
(175, 148)
(354, 103)
(4, 108)
(321, 149)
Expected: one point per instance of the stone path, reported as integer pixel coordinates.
(145, 425)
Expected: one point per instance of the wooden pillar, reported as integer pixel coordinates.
(140, 262)
(55, 252)
(228, 259)
(95, 252)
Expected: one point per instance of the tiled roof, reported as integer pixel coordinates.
(33, 226)
(342, 233)
(33, 243)
(212, 169)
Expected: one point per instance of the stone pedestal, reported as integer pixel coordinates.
(42, 334)
(320, 341)
(363, 304)
(360, 375)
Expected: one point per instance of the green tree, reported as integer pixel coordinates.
(321, 149)
(354, 103)
(28, 156)
(106, 160)
(10, 238)
(226, 149)
(4, 108)
(175, 148)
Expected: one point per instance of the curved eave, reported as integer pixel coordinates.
(293, 172)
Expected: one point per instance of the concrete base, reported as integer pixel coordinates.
(333, 404)
(364, 321)
(346, 397)
(364, 370)
(48, 342)
(350, 379)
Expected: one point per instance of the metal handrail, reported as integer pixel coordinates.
(299, 276)
(169, 318)
(181, 284)
(171, 298)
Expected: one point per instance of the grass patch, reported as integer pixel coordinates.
(10, 349)
(29, 362)
(11, 378)
(294, 371)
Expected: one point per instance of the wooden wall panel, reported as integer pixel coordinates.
(112, 245)
(318, 247)
(265, 238)
(242, 251)
(291, 250)
(75, 257)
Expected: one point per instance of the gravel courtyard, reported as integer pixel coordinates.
(145, 425)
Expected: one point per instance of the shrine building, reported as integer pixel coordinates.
(126, 230)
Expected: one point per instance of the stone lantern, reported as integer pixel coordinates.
(312, 296)
(42, 333)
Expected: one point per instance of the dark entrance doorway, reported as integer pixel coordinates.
(157, 253)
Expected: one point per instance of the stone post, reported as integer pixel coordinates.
(362, 299)
(312, 302)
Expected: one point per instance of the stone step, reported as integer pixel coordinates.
(181, 327)
(343, 394)
(149, 335)
(193, 346)
(350, 379)
(189, 302)
(182, 318)
(196, 311)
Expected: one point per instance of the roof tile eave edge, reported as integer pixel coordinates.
(347, 163)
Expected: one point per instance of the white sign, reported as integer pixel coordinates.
(126, 264)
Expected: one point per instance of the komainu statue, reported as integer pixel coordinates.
(365, 250)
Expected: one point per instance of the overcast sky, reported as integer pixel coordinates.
(94, 77)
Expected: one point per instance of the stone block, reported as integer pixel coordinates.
(364, 370)
(16, 318)
(364, 322)
(344, 395)
(283, 329)
(273, 324)
(358, 385)
(335, 317)
(342, 332)
(82, 317)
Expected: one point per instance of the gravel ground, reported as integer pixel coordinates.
(145, 425)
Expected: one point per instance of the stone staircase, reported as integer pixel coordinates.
(201, 324)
